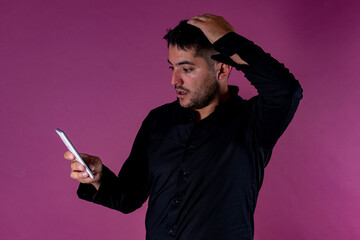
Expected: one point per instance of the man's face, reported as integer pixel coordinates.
(194, 80)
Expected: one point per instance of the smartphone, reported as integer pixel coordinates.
(72, 149)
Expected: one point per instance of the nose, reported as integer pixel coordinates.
(176, 79)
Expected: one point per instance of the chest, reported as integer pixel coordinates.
(220, 149)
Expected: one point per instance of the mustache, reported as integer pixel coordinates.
(181, 88)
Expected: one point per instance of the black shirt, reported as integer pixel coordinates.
(203, 178)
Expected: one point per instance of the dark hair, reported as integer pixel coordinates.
(187, 37)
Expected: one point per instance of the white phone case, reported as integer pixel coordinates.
(72, 149)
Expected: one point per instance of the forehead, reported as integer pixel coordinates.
(177, 55)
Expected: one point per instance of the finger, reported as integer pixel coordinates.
(69, 156)
(91, 160)
(84, 155)
(198, 18)
(196, 22)
(76, 166)
(95, 163)
(83, 177)
(202, 21)
(88, 158)
(80, 176)
(204, 17)
(92, 167)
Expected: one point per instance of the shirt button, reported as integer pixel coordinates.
(177, 201)
(189, 148)
(184, 173)
(171, 231)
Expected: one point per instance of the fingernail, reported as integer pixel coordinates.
(92, 167)
(84, 174)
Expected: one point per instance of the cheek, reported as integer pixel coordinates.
(198, 79)
(195, 80)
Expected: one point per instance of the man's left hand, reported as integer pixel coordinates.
(214, 27)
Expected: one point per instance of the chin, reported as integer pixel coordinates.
(182, 104)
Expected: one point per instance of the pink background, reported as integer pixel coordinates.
(96, 68)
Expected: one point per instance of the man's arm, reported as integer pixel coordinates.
(125, 192)
(279, 92)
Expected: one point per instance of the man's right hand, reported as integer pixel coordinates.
(78, 170)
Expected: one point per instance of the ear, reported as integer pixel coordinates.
(222, 71)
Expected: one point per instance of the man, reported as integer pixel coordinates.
(201, 159)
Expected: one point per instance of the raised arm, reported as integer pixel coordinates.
(279, 92)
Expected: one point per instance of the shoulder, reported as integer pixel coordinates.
(164, 110)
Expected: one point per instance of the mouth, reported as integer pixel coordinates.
(181, 94)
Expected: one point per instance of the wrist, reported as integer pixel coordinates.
(96, 185)
(97, 181)
(231, 43)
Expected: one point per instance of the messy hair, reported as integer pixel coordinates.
(188, 37)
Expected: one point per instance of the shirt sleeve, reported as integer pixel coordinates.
(127, 191)
(279, 93)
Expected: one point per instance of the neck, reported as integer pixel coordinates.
(209, 109)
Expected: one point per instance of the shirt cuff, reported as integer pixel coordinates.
(231, 43)
(89, 193)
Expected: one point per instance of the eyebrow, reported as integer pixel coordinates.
(182, 63)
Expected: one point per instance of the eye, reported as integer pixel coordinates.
(171, 68)
(187, 70)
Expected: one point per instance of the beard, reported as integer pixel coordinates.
(205, 94)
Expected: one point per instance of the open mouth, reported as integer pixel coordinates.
(181, 94)
(181, 91)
